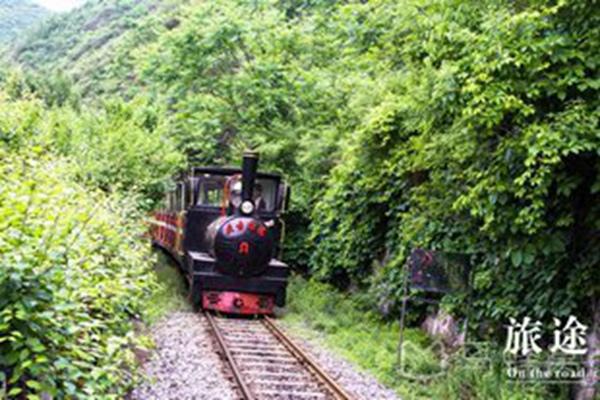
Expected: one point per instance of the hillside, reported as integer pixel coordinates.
(18, 15)
(90, 43)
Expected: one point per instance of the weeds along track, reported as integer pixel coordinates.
(266, 364)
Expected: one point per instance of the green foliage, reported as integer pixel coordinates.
(93, 45)
(232, 82)
(18, 15)
(53, 89)
(484, 140)
(354, 330)
(343, 323)
(74, 273)
(467, 379)
(456, 125)
(73, 276)
(115, 146)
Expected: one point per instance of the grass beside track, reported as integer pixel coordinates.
(170, 295)
(340, 323)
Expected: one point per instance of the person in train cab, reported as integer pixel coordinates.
(235, 194)
(259, 202)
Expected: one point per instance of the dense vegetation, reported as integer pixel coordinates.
(363, 337)
(18, 15)
(465, 126)
(75, 274)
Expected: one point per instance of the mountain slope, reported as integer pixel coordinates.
(89, 43)
(17, 15)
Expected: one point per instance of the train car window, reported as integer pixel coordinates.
(193, 191)
(283, 197)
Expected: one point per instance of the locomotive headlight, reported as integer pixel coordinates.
(247, 207)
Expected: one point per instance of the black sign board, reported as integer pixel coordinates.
(433, 271)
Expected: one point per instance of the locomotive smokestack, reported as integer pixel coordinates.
(249, 167)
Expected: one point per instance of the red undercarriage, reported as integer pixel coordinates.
(237, 303)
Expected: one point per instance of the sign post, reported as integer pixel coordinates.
(432, 272)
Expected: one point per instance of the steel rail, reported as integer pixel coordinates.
(306, 360)
(246, 393)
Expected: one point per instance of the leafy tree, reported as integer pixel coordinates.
(485, 142)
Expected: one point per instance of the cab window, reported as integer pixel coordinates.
(265, 194)
(210, 190)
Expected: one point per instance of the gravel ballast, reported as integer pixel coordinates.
(185, 365)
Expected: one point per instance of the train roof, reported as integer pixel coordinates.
(231, 171)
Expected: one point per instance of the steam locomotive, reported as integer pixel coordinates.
(223, 226)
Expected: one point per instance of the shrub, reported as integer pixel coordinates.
(115, 146)
(73, 270)
(72, 277)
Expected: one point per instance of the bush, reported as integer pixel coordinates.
(74, 274)
(116, 146)
(72, 277)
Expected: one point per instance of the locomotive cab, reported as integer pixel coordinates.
(229, 245)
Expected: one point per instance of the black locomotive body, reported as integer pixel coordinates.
(224, 227)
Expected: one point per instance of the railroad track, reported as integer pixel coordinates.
(266, 364)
